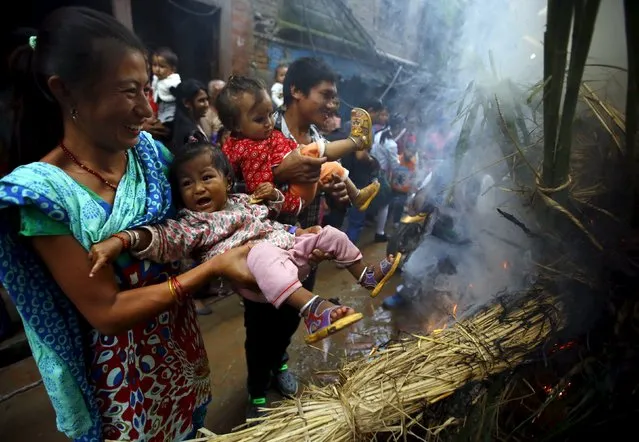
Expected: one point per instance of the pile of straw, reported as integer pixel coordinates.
(385, 391)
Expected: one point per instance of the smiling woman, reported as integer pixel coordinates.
(120, 353)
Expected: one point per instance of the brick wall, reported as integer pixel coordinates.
(242, 35)
(250, 52)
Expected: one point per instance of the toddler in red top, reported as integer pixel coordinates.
(255, 148)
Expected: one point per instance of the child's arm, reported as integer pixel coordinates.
(170, 241)
(337, 149)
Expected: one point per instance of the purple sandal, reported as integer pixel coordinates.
(387, 268)
(319, 326)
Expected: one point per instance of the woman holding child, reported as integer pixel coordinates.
(121, 354)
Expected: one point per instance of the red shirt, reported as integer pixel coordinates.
(255, 159)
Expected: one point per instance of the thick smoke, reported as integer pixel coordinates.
(498, 52)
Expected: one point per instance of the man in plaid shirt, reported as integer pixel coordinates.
(310, 92)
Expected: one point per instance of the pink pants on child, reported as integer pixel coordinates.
(278, 272)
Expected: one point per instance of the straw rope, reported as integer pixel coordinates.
(384, 392)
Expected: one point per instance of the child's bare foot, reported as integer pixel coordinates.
(377, 275)
(323, 318)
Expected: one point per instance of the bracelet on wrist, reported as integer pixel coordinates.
(126, 244)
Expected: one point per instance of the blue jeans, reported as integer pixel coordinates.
(356, 221)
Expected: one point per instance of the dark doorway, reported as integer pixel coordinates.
(190, 28)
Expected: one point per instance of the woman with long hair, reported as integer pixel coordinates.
(192, 103)
(120, 353)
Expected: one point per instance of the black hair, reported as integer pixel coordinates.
(75, 43)
(375, 105)
(226, 102)
(393, 124)
(169, 56)
(277, 69)
(306, 73)
(183, 124)
(192, 150)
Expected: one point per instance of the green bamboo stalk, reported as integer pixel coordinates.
(555, 55)
(631, 9)
(585, 18)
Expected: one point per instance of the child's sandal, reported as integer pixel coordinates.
(387, 269)
(362, 127)
(319, 326)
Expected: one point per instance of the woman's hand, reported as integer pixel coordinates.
(265, 192)
(104, 253)
(234, 267)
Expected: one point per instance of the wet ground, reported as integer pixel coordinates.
(28, 416)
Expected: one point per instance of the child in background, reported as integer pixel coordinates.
(255, 148)
(165, 68)
(402, 180)
(212, 222)
(277, 90)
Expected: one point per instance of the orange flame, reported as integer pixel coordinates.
(455, 311)
(505, 265)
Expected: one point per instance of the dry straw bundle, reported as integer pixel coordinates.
(385, 391)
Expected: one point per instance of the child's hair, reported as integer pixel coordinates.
(277, 70)
(226, 102)
(169, 56)
(306, 73)
(192, 150)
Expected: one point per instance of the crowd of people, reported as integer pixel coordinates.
(152, 186)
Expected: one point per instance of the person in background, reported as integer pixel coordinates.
(192, 103)
(402, 180)
(152, 124)
(211, 122)
(385, 152)
(363, 169)
(277, 90)
(166, 68)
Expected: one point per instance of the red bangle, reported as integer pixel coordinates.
(181, 293)
(125, 241)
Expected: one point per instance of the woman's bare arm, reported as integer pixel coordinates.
(111, 310)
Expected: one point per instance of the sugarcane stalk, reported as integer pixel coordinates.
(585, 17)
(631, 9)
(555, 55)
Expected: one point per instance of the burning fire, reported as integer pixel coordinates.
(505, 265)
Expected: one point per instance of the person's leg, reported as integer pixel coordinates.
(262, 328)
(382, 216)
(398, 206)
(355, 226)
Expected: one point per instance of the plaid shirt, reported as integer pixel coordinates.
(310, 215)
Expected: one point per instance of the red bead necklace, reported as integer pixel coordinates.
(87, 168)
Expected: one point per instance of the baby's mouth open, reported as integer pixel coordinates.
(205, 201)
